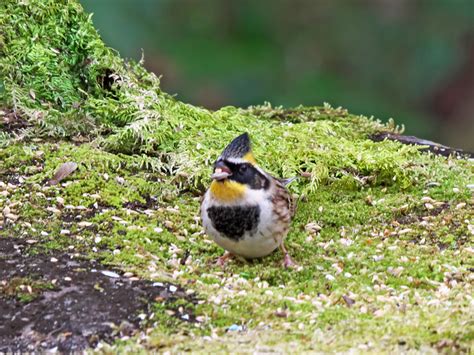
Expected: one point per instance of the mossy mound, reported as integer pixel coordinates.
(59, 75)
(383, 232)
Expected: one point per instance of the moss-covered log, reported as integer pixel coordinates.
(383, 232)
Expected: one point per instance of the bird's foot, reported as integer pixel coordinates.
(221, 260)
(288, 262)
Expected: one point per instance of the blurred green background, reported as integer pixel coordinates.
(407, 59)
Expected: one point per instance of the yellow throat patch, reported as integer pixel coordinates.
(227, 191)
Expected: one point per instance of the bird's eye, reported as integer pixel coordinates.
(243, 168)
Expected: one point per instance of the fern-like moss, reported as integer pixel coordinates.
(59, 74)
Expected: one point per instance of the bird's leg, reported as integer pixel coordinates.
(221, 260)
(287, 261)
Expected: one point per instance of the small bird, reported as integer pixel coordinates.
(246, 211)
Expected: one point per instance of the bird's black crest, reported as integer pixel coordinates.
(237, 148)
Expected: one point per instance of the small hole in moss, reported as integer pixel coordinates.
(107, 80)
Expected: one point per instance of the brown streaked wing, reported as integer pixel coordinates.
(283, 203)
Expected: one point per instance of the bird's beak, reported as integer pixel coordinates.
(221, 172)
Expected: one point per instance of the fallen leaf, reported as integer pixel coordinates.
(312, 228)
(349, 301)
(63, 172)
(281, 314)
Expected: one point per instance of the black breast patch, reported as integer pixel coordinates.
(234, 221)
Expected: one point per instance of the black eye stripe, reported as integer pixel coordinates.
(246, 173)
(235, 166)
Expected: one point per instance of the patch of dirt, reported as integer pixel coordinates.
(81, 305)
(74, 216)
(418, 217)
(150, 203)
(11, 122)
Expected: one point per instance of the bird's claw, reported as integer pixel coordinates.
(288, 262)
(221, 260)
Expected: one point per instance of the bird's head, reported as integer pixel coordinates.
(236, 170)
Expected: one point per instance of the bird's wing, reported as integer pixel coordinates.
(283, 200)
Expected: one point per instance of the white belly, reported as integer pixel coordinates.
(254, 244)
(250, 247)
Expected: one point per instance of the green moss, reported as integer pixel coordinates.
(65, 71)
(367, 231)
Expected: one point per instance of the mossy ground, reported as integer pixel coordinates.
(382, 235)
(390, 269)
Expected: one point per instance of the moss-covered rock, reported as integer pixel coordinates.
(388, 266)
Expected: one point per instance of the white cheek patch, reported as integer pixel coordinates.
(237, 160)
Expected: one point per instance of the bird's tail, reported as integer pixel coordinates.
(288, 181)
